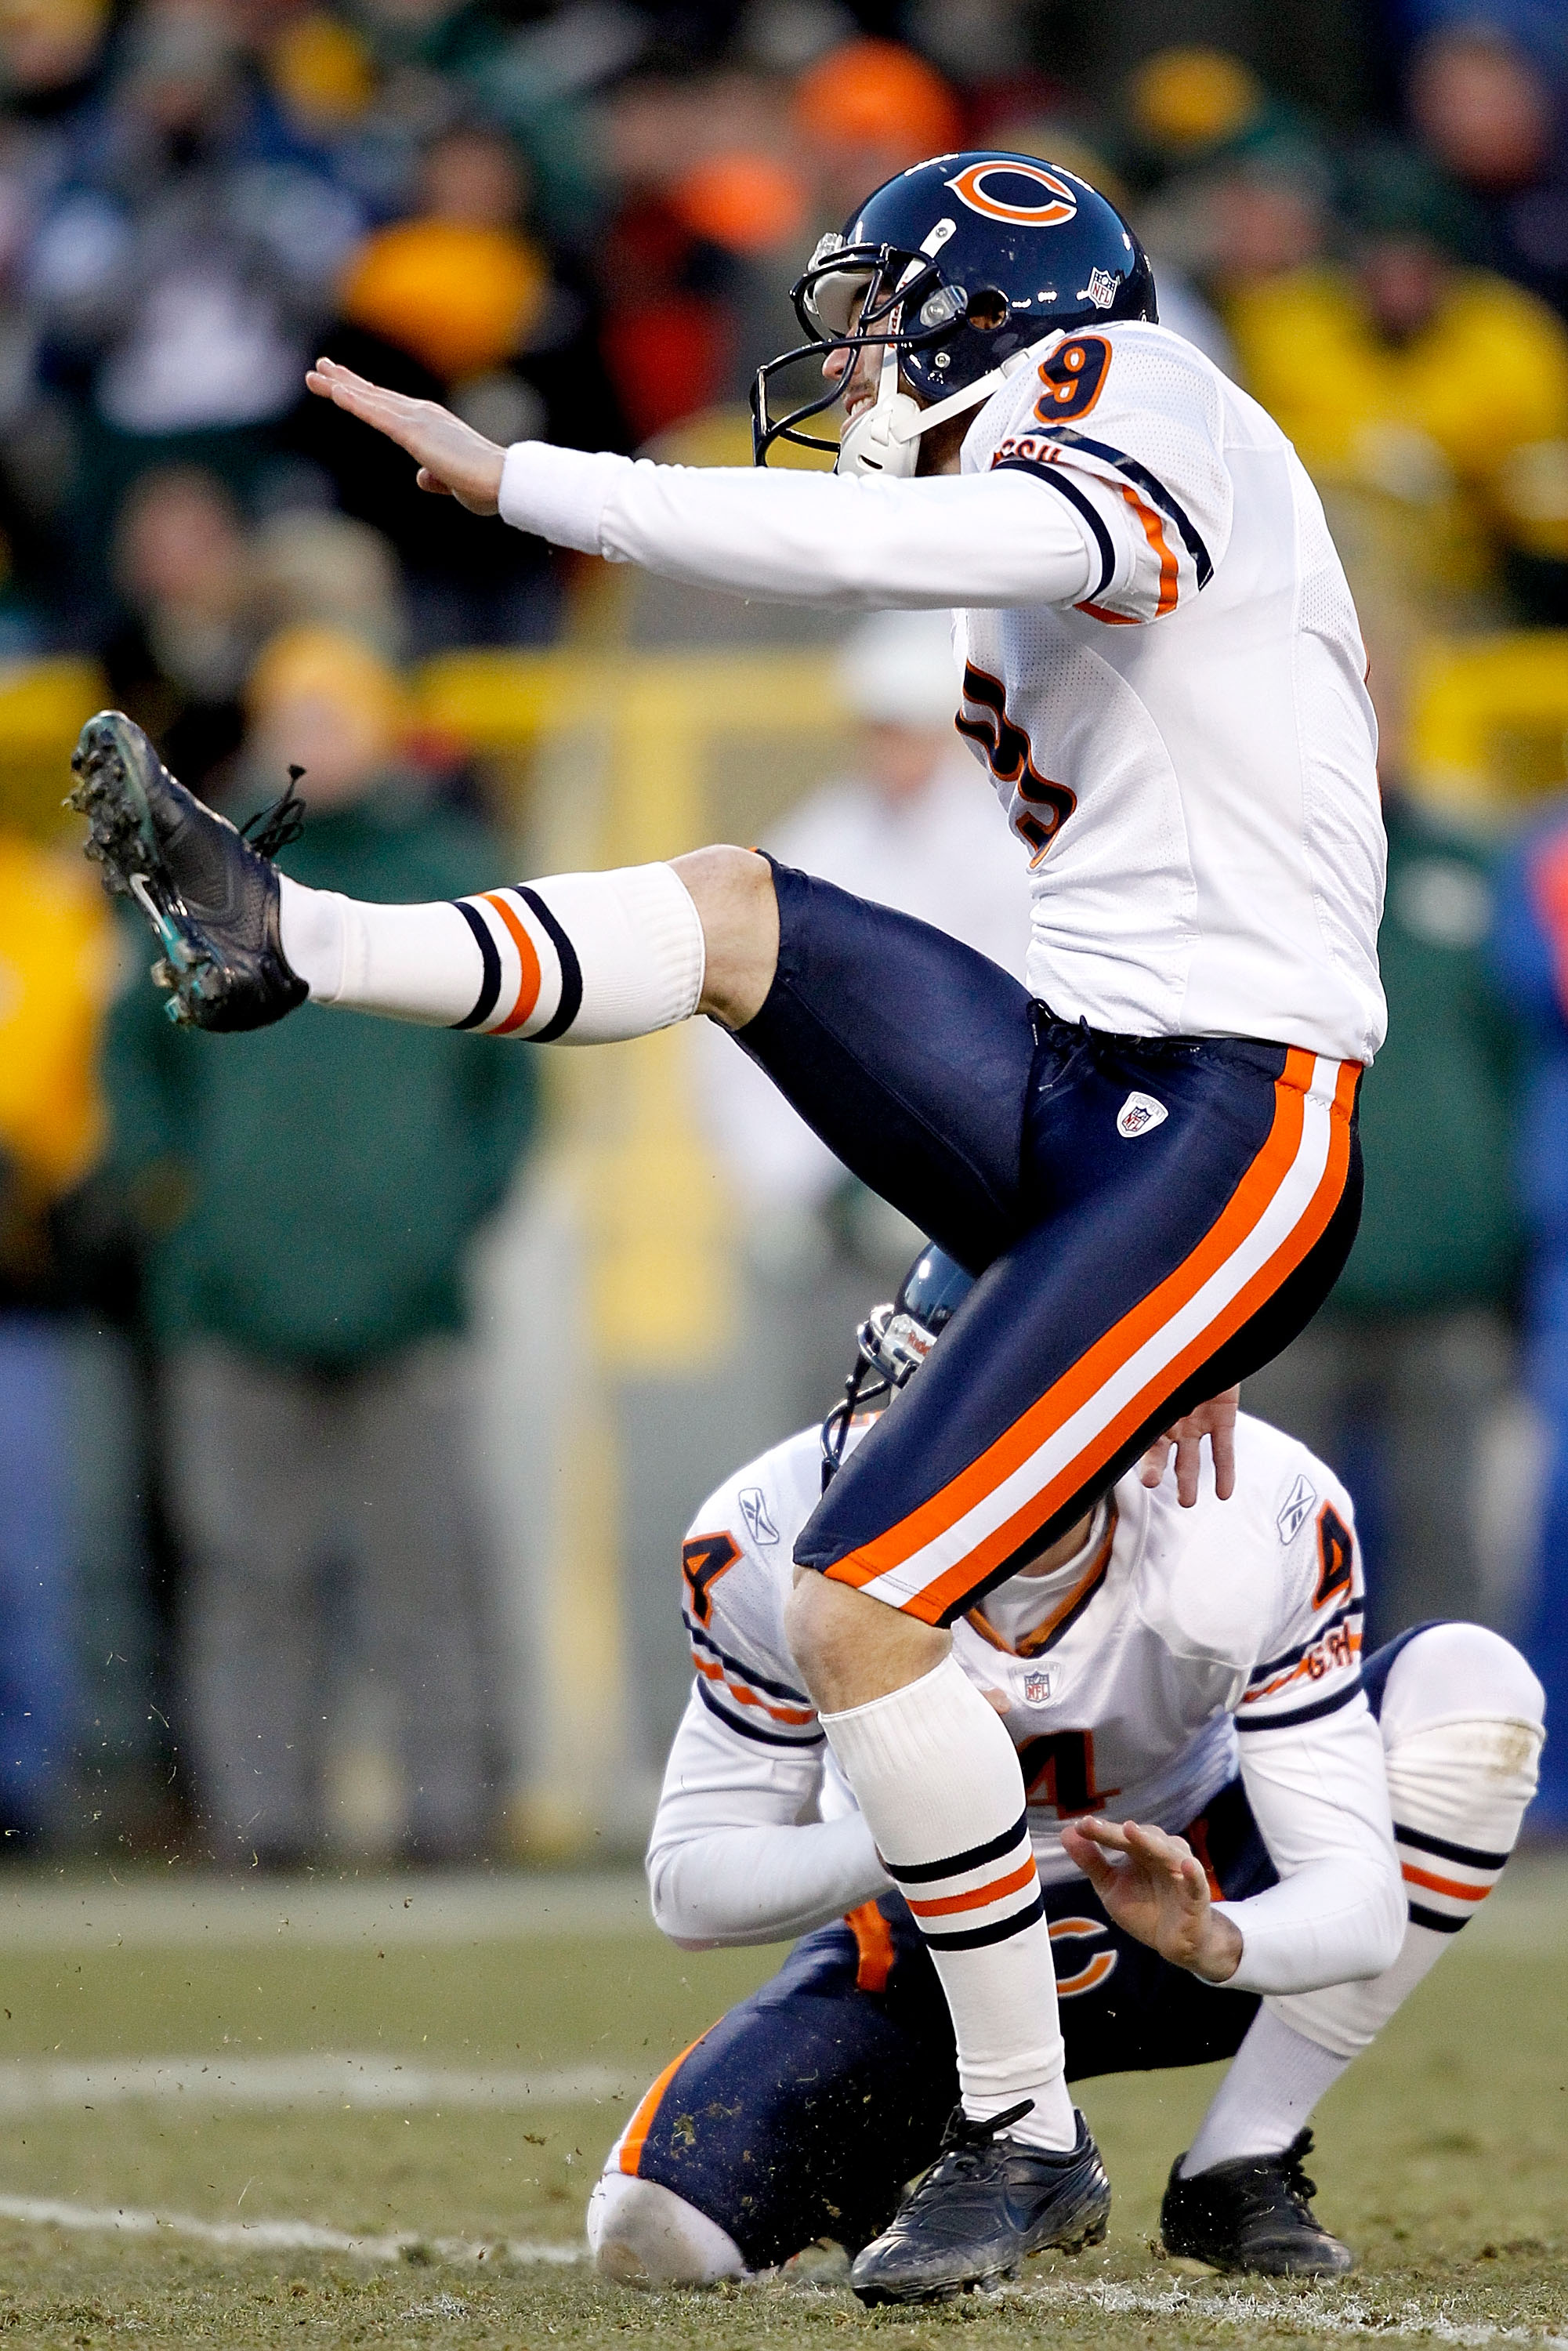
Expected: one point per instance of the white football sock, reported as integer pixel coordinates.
(938, 1777)
(1275, 2080)
(576, 959)
(641, 2233)
(1462, 1721)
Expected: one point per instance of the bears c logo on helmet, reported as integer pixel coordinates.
(1055, 205)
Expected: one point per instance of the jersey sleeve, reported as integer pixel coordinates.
(1309, 1665)
(1126, 426)
(860, 544)
(736, 1567)
(1311, 1753)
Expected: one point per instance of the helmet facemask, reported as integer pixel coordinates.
(908, 308)
(891, 1343)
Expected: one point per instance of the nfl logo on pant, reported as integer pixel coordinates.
(1138, 1113)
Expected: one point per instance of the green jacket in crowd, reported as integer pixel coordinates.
(308, 1191)
(1439, 1226)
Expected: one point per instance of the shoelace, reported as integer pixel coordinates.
(1298, 2187)
(1284, 2175)
(272, 829)
(966, 2139)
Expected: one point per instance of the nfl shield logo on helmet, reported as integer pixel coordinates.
(1139, 1114)
(1101, 289)
(1036, 1688)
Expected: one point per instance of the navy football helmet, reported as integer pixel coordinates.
(895, 1341)
(962, 263)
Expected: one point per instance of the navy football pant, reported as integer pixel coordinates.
(805, 2110)
(1150, 1220)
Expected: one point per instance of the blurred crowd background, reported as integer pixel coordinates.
(357, 1382)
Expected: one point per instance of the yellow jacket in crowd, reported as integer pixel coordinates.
(56, 953)
(1464, 427)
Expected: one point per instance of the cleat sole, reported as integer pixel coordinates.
(121, 839)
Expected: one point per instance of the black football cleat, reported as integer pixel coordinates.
(209, 891)
(986, 2204)
(1254, 2213)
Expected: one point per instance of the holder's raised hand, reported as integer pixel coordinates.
(1154, 1888)
(453, 460)
(1217, 1421)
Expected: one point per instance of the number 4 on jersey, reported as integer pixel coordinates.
(704, 1559)
(1059, 1770)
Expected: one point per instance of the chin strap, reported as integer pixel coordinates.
(886, 437)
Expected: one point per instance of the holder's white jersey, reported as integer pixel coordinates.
(1187, 751)
(1165, 675)
(1150, 1661)
(1180, 1649)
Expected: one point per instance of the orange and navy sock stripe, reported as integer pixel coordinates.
(984, 1894)
(531, 981)
(1445, 1883)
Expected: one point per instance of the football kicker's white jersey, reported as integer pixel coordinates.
(1167, 678)
(1175, 1639)
(1188, 752)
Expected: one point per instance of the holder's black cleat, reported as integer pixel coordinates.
(987, 2203)
(1254, 2213)
(209, 891)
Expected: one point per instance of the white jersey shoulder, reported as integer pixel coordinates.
(1129, 424)
(1187, 753)
(1267, 1588)
(1126, 1698)
(736, 1570)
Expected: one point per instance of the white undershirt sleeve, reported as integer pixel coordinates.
(730, 1859)
(1318, 1793)
(996, 538)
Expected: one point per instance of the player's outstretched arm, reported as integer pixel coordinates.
(790, 537)
(1154, 1886)
(453, 460)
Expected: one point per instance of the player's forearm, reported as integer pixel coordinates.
(761, 1885)
(796, 537)
(1319, 1794)
(1337, 1922)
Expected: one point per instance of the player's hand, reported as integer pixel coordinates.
(453, 460)
(1217, 1421)
(1154, 1886)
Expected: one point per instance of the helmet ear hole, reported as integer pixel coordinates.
(989, 309)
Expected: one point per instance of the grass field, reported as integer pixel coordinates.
(427, 2076)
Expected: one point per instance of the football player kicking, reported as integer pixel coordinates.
(1148, 1155)
(1212, 1775)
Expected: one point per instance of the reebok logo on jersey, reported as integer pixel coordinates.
(1296, 1510)
(754, 1511)
(1138, 1114)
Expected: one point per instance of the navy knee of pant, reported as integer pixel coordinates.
(1375, 1671)
(807, 2108)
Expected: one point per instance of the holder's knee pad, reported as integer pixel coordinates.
(641, 2234)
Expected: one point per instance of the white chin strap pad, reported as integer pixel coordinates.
(869, 445)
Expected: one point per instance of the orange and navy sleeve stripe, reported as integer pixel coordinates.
(1318, 1677)
(1181, 559)
(760, 1709)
